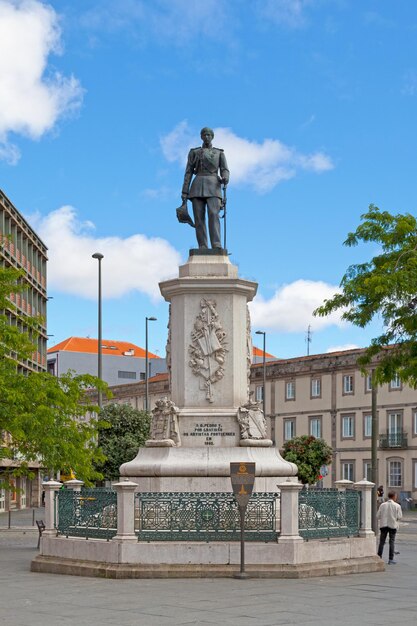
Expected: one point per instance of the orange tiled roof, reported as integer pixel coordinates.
(258, 352)
(90, 346)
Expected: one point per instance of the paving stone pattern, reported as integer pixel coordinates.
(29, 599)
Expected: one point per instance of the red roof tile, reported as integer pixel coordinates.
(90, 346)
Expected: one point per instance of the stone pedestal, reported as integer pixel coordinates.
(208, 421)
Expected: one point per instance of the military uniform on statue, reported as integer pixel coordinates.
(206, 163)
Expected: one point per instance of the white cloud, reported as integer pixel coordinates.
(31, 98)
(346, 346)
(291, 307)
(136, 263)
(259, 165)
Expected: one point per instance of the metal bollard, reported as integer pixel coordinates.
(10, 518)
(33, 517)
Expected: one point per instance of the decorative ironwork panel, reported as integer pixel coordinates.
(203, 517)
(90, 513)
(325, 513)
(393, 440)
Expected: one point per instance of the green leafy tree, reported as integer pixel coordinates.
(42, 418)
(386, 288)
(309, 454)
(123, 432)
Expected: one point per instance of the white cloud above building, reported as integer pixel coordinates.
(33, 97)
(135, 263)
(291, 308)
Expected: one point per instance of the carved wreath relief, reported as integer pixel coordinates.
(208, 348)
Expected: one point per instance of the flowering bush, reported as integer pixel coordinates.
(309, 454)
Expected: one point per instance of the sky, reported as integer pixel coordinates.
(313, 101)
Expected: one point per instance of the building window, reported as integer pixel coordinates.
(123, 374)
(395, 423)
(259, 393)
(290, 390)
(289, 429)
(315, 387)
(348, 470)
(367, 425)
(367, 470)
(348, 426)
(315, 426)
(347, 383)
(395, 478)
(415, 422)
(368, 383)
(415, 474)
(395, 383)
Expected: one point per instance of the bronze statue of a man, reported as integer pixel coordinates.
(209, 166)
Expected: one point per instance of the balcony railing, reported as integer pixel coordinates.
(393, 440)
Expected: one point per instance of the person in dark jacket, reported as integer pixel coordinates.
(209, 166)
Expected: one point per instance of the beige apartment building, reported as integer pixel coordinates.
(326, 395)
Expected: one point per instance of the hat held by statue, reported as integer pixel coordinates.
(183, 216)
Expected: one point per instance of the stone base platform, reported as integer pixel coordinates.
(290, 557)
(73, 567)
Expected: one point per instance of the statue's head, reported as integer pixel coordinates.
(206, 131)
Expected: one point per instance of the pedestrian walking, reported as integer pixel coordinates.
(388, 515)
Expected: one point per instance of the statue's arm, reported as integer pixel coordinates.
(188, 175)
(224, 170)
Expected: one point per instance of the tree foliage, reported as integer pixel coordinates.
(384, 287)
(309, 454)
(43, 419)
(124, 431)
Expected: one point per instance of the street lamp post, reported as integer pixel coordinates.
(262, 332)
(99, 257)
(148, 319)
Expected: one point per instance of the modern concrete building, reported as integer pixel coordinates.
(21, 248)
(326, 395)
(122, 362)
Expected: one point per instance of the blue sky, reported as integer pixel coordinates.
(314, 102)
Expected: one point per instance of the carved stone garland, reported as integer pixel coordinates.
(208, 348)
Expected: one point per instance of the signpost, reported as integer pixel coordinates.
(243, 478)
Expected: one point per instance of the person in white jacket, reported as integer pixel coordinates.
(388, 515)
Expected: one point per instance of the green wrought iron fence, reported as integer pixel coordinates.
(326, 513)
(203, 517)
(89, 513)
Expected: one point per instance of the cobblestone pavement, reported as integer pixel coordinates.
(29, 599)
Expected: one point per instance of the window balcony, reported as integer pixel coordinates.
(393, 440)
